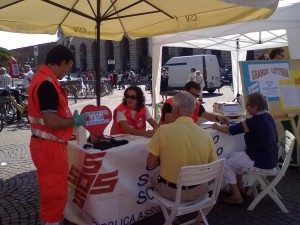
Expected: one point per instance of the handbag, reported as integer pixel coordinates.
(108, 143)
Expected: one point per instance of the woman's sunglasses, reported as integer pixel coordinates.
(133, 97)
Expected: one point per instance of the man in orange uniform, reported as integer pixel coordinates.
(193, 88)
(51, 124)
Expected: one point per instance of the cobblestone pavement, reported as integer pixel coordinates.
(19, 195)
(265, 213)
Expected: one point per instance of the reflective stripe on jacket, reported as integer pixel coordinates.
(35, 117)
(138, 123)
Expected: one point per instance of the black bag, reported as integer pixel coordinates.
(108, 143)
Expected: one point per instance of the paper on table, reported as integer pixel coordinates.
(129, 137)
(207, 124)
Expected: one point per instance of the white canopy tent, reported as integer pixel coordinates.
(281, 29)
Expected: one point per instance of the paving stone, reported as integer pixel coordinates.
(19, 194)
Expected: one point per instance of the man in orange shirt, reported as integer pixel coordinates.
(51, 124)
(194, 89)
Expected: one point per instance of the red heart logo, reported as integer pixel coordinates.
(97, 119)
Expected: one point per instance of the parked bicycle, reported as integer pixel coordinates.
(106, 87)
(90, 88)
(10, 106)
(7, 110)
(75, 89)
(22, 108)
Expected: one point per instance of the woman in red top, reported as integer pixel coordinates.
(131, 115)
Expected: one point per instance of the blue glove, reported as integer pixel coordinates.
(79, 120)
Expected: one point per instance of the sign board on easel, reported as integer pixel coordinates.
(279, 81)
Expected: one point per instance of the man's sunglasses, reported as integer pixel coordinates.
(133, 97)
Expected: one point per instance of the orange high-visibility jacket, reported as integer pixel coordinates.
(138, 123)
(169, 101)
(35, 117)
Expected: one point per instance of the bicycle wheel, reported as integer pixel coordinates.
(69, 92)
(8, 112)
(1, 123)
(24, 121)
(23, 99)
(82, 93)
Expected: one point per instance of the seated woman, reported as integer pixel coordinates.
(261, 148)
(131, 115)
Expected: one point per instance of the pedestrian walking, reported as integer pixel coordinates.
(164, 83)
(27, 76)
(119, 80)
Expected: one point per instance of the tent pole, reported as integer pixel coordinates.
(237, 65)
(98, 75)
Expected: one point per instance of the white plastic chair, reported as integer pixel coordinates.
(268, 187)
(193, 175)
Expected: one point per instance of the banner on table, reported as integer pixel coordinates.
(226, 144)
(111, 187)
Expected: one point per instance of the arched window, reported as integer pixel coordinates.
(125, 53)
(83, 59)
(93, 53)
(109, 55)
(72, 49)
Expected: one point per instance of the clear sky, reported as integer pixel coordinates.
(16, 40)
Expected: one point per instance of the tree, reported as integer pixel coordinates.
(4, 56)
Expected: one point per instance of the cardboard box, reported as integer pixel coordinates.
(229, 109)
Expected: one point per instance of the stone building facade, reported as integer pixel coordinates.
(124, 55)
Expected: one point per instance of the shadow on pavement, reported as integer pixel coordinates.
(265, 213)
(208, 95)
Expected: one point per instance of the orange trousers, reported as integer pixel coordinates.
(51, 160)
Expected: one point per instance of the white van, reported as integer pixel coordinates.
(179, 69)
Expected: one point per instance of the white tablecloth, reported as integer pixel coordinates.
(226, 144)
(114, 186)
(110, 187)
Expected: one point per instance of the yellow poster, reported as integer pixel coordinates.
(290, 92)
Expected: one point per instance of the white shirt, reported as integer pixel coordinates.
(198, 79)
(119, 77)
(193, 76)
(27, 78)
(132, 75)
(121, 116)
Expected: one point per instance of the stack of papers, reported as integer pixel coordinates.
(207, 124)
